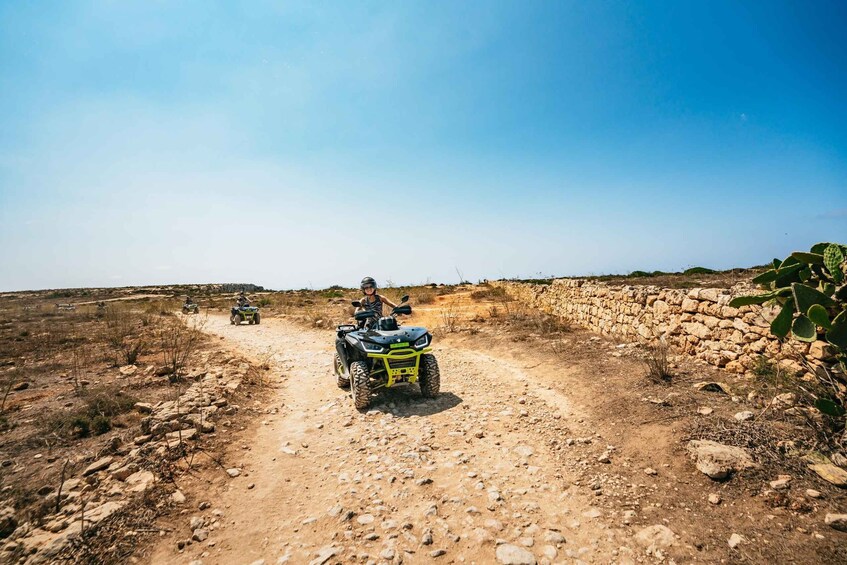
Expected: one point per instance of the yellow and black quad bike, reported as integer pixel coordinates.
(378, 353)
(249, 314)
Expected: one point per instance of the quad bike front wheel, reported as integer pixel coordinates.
(360, 384)
(341, 378)
(430, 377)
(196, 309)
(236, 319)
(184, 310)
(257, 318)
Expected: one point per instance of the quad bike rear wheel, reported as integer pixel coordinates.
(360, 384)
(430, 377)
(341, 378)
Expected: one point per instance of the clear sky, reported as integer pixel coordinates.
(310, 144)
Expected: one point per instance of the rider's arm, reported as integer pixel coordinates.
(388, 302)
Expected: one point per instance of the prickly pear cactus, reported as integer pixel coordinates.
(810, 288)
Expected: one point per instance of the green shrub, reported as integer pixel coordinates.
(699, 271)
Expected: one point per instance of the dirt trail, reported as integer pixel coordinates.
(468, 477)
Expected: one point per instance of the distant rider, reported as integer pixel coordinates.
(188, 301)
(372, 301)
(243, 301)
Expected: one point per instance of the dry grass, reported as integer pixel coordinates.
(656, 359)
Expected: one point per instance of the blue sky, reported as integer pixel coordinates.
(310, 144)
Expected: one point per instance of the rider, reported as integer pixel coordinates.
(188, 300)
(372, 301)
(243, 300)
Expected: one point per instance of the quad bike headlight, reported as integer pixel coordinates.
(422, 341)
(372, 347)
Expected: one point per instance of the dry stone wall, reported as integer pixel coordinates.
(697, 321)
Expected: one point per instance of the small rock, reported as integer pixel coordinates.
(786, 399)
(437, 552)
(812, 493)
(781, 483)
(509, 554)
(714, 498)
(426, 538)
(656, 537)
(21, 386)
(718, 461)
(387, 553)
(144, 407)
(177, 497)
(744, 416)
(323, 555)
(526, 541)
(365, 519)
(831, 474)
(98, 465)
(200, 534)
(705, 410)
(650, 471)
(553, 536)
(734, 541)
(837, 521)
(604, 458)
(233, 472)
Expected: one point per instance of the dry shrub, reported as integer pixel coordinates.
(423, 295)
(490, 293)
(450, 318)
(100, 406)
(123, 335)
(179, 341)
(656, 359)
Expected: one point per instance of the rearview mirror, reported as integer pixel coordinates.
(404, 299)
(356, 303)
(405, 309)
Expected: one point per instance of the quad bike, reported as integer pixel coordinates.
(190, 308)
(377, 354)
(248, 314)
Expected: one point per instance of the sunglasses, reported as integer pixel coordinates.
(368, 286)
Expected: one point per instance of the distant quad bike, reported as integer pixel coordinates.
(378, 354)
(248, 314)
(190, 308)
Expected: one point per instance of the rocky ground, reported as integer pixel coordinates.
(528, 456)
